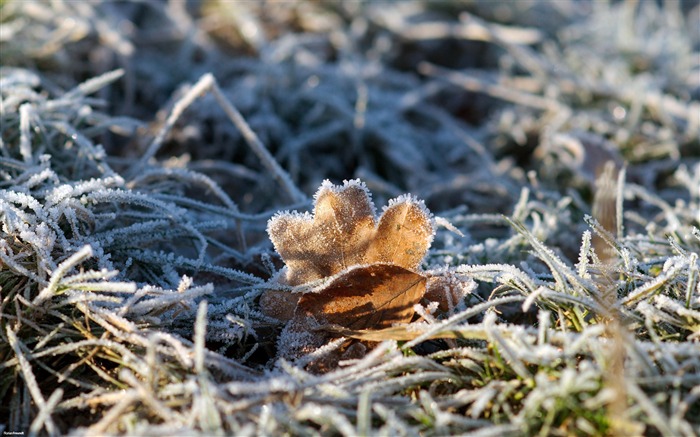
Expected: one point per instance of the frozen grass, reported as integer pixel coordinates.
(145, 146)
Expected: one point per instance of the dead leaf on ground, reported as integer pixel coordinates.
(335, 237)
(344, 232)
(403, 235)
(372, 262)
(370, 297)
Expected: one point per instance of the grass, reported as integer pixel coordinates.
(146, 145)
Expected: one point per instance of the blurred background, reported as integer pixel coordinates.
(462, 103)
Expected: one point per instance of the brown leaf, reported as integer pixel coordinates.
(335, 237)
(407, 333)
(605, 208)
(404, 234)
(343, 232)
(370, 297)
(292, 235)
(346, 216)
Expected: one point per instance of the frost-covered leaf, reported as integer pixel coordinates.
(371, 297)
(605, 209)
(369, 266)
(343, 232)
(404, 233)
(334, 238)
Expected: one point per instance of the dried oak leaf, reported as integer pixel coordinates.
(343, 232)
(366, 297)
(370, 297)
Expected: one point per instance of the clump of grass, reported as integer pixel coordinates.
(135, 190)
